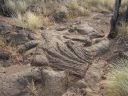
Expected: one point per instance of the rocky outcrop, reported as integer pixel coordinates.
(4, 55)
(65, 57)
(94, 77)
(54, 82)
(70, 49)
(16, 84)
(63, 50)
(5, 29)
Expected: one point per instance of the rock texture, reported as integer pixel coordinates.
(93, 77)
(63, 50)
(64, 55)
(54, 82)
(14, 84)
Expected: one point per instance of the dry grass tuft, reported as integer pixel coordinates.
(122, 37)
(46, 8)
(123, 29)
(117, 83)
(18, 6)
(32, 90)
(29, 20)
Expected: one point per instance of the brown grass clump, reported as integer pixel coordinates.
(29, 20)
(31, 88)
(123, 29)
(122, 37)
(46, 8)
(117, 83)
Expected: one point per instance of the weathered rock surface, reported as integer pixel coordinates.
(99, 48)
(5, 28)
(4, 55)
(68, 51)
(15, 84)
(64, 50)
(54, 82)
(17, 39)
(93, 78)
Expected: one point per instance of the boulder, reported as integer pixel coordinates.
(40, 60)
(5, 28)
(86, 29)
(99, 48)
(17, 39)
(29, 45)
(54, 82)
(93, 77)
(15, 84)
(59, 16)
(4, 55)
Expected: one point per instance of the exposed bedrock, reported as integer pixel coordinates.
(54, 81)
(65, 57)
(68, 50)
(73, 50)
(15, 84)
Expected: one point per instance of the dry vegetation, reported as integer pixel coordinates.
(28, 20)
(123, 30)
(122, 37)
(31, 88)
(46, 8)
(117, 83)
